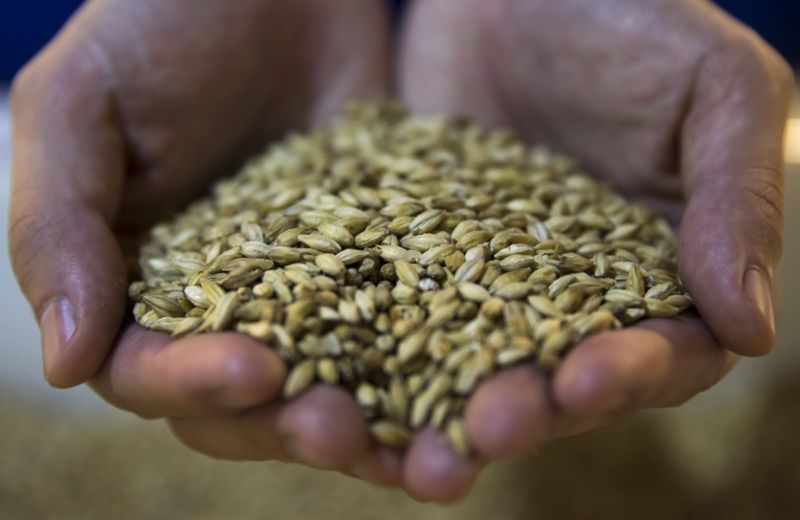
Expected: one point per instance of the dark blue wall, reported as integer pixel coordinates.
(26, 25)
(778, 21)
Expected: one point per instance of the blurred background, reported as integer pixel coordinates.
(730, 453)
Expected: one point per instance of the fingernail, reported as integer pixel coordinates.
(757, 287)
(58, 324)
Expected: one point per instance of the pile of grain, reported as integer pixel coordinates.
(406, 258)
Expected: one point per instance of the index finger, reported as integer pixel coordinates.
(67, 174)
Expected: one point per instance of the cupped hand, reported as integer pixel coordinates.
(132, 111)
(673, 103)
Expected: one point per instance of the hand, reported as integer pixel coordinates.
(132, 111)
(672, 102)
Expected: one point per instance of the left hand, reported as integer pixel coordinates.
(677, 105)
(132, 110)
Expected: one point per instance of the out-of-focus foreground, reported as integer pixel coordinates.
(730, 453)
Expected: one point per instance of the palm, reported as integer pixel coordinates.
(199, 86)
(159, 98)
(585, 78)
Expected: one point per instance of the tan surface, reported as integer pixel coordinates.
(77, 467)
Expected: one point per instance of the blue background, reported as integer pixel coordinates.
(26, 25)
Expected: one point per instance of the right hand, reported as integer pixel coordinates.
(674, 103)
(129, 113)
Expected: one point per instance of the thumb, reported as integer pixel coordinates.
(731, 233)
(67, 172)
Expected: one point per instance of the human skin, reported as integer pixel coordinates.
(138, 106)
(128, 114)
(670, 101)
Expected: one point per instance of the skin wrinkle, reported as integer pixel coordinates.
(636, 92)
(163, 159)
(667, 183)
(720, 63)
(73, 74)
(39, 234)
(153, 143)
(97, 71)
(758, 188)
(767, 193)
(728, 284)
(29, 227)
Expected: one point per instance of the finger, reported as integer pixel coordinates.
(381, 465)
(433, 471)
(661, 362)
(513, 412)
(510, 413)
(326, 428)
(323, 428)
(251, 436)
(154, 375)
(66, 182)
(731, 233)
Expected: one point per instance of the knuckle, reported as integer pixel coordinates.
(26, 231)
(23, 86)
(744, 59)
(101, 385)
(29, 235)
(759, 55)
(22, 232)
(719, 367)
(60, 76)
(749, 49)
(762, 191)
(182, 432)
(189, 432)
(748, 57)
(748, 53)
